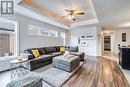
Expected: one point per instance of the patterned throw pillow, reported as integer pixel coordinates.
(36, 53)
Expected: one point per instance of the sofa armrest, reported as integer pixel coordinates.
(80, 54)
(27, 55)
(73, 49)
(30, 57)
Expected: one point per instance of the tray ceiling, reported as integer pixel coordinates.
(56, 9)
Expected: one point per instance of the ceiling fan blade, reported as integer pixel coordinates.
(82, 13)
(66, 10)
(64, 16)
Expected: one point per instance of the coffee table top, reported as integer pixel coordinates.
(18, 60)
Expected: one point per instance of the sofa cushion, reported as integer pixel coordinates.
(80, 54)
(41, 58)
(73, 49)
(56, 54)
(41, 51)
(57, 48)
(50, 50)
(30, 52)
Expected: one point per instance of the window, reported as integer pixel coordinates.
(6, 43)
(63, 37)
(34, 30)
(9, 39)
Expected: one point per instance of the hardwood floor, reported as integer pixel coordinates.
(98, 72)
(110, 55)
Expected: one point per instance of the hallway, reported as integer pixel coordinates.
(110, 55)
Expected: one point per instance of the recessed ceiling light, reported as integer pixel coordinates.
(105, 32)
(127, 24)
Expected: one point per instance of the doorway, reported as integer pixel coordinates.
(107, 43)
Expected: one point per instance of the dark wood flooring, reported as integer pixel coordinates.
(98, 72)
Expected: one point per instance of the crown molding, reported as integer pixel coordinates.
(29, 13)
(88, 22)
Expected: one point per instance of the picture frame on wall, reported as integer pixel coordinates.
(88, 37)
(123, 37)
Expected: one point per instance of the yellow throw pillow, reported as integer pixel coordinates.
(36, 53)
(62, 49)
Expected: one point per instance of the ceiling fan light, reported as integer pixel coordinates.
(71, 17)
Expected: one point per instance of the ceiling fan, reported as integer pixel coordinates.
(72, 14)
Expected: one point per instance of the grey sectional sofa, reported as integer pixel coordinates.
(47, 54)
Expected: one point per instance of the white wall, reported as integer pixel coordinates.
(31, 41)
(118, 38)
(90, 48)
(99, 41)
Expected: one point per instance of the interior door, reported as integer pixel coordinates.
(107, 43)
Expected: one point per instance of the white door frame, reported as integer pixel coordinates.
(112, 41)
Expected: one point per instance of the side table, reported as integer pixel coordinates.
(17, 68)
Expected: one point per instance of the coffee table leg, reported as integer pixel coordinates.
(18, 70)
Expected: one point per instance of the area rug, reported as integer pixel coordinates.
(55, 77)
